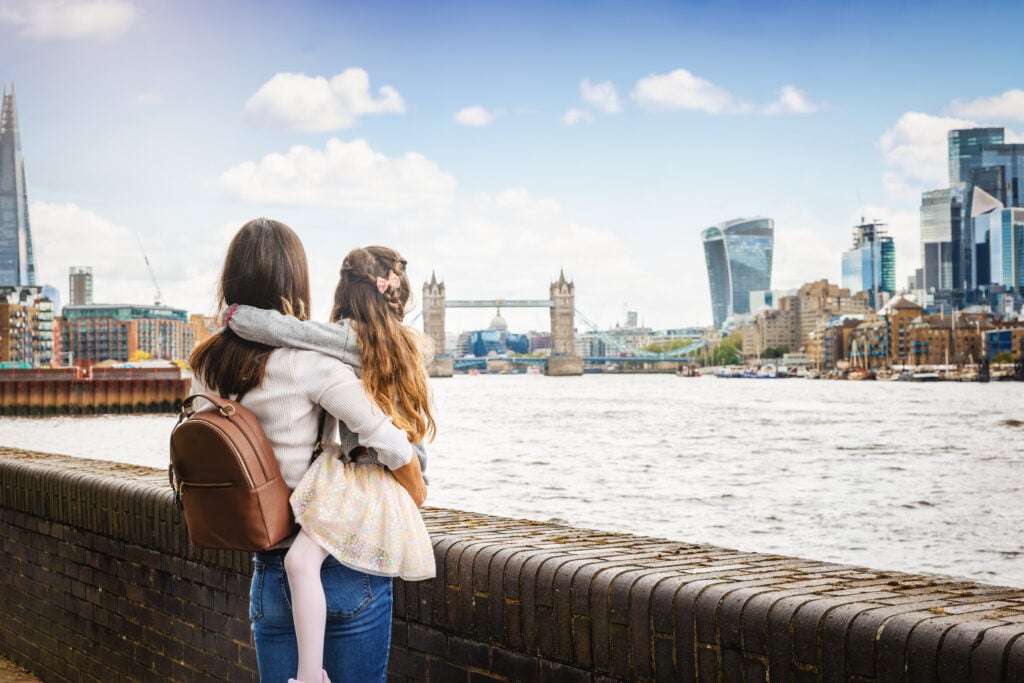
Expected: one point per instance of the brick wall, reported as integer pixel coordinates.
(99, 584)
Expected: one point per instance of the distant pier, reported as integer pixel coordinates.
(91, 391)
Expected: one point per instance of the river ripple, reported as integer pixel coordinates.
(891, 475)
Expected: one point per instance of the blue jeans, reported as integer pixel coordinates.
(358, 634)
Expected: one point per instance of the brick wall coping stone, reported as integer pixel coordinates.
(513, 599)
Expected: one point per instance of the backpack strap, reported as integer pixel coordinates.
(224, 405)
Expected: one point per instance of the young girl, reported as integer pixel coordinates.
(358, 513)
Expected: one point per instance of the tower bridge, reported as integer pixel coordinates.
(563, 360)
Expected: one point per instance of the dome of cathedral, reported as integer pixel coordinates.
(498, 323)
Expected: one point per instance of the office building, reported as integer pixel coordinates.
(965, 151)
(80, 286)
(26, 327)
(940, 220)
(738, 254)
(870, 266)
(979, 159)
(17, 264)
(999, 243)
(101, 332)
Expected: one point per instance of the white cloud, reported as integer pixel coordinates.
(915, 149)
(1007, 106)
(344, 174)
(575, 116)
(502, 244)
(313, 103)
(185, 268)
(604, 96)
(681, 90)
(792, 101)
(69, 19)
(149, 98)
(475, 116)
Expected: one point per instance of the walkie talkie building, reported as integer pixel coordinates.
(739, 259)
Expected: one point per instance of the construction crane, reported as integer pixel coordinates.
(159, 299)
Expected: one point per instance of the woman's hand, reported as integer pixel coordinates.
(411, 478)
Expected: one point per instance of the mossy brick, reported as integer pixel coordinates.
(428, 640)
(513, 573)
(555, 672)
(440, 670)
(987, 659)
(923, 645)
(664, 660)
(780, 630)
(1015, 660)
(600, 615)
(581, 586)
(641, 635)
(496, 589)
(469, 653)
(407, 663)
(513, 627)
(707, 664)
(705, 609)
(582, 642)
(754, 671)
(481, 570)
(834, 631)
(808, 623)
(891, 654)
(862, 635)
(467, 565)
(562, 613)
(516, 666)
(754, 621)
(528, 600)
(954, 660)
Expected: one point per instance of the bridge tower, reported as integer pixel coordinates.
(564, 360)
(442, 364)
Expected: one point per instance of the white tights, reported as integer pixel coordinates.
(309, 606)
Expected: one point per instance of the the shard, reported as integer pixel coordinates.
(17, 265)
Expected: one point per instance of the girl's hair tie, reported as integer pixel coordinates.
(392, 281)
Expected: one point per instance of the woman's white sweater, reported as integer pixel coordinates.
(296, 384)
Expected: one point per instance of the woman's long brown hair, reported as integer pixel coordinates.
(393, 371)
(265, 267)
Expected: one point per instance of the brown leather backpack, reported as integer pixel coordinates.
(226, 479)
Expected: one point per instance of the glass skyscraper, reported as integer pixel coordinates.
(738, 254)
(1006, 243)
(17, 265)
(940, 220)
(871, 265)
(965, 147)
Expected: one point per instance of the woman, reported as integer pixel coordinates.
(286, 389)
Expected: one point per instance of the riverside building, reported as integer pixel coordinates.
(738, 254)
(119, 332)
(17, 264)
(26, 327)
(791, 326)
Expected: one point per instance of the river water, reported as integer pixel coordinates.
(923, 477)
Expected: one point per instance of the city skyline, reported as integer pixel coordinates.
(493, 146)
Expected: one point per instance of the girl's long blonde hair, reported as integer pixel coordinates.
(373, 293)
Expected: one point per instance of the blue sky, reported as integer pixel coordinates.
(492, 143)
